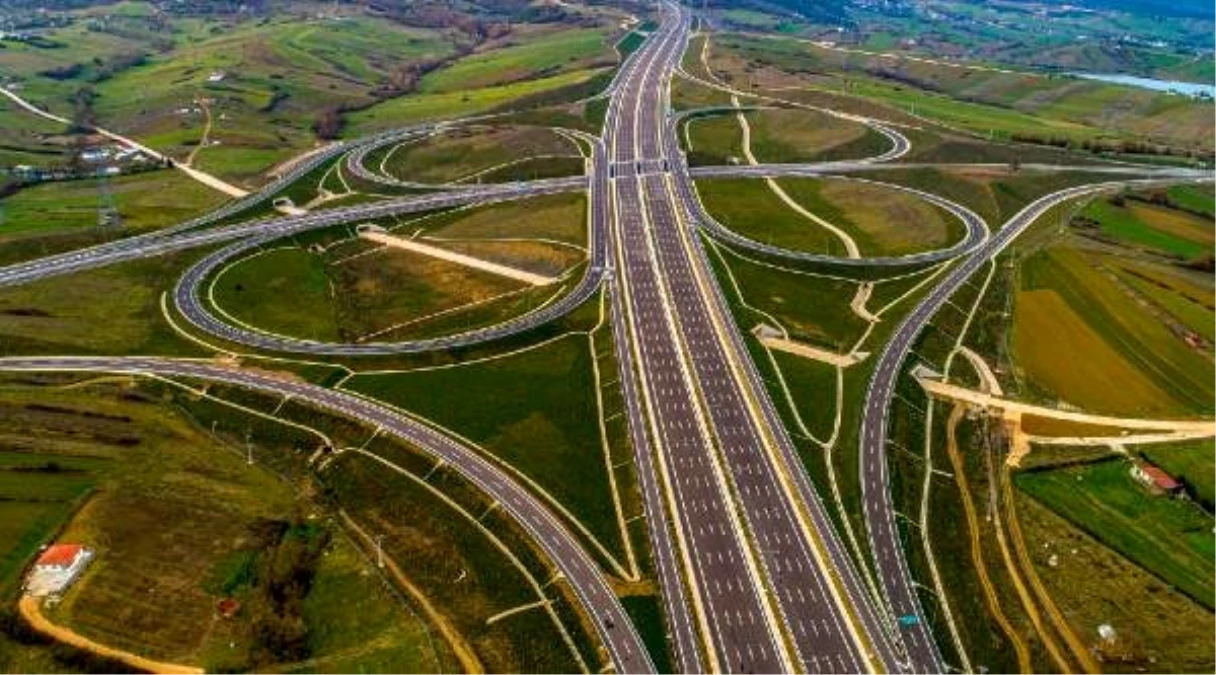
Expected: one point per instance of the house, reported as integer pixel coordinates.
(56, 569)
(1154, 478)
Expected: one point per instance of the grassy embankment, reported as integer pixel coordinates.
(482, 154)
(356, 290)
(880, 220)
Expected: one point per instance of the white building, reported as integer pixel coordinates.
(56, 569)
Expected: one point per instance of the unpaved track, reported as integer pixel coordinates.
(31, 611)
(461, 647)
(200, 176)
(458, 258)
(957, 393)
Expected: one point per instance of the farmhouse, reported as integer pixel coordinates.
(1154, 478)
(56, 569)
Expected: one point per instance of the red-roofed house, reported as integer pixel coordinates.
(1153, 477)
(57, 568)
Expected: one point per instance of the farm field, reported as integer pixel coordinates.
(1112, 339)
(1145, 225)
(1156, 626)
(1171, 538)
(179, 521)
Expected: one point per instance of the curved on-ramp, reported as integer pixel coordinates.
(613, 625)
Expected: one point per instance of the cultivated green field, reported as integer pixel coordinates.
(1068, 291)
(1171, 538)
(1153, 227)
(526, 55)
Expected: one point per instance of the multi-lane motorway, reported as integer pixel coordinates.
(769, 589)
(753, 574)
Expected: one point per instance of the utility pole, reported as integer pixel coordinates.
(107, 213)
(380, 551)
(248, 447)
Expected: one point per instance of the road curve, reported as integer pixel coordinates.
(134, 248)
(976, 232)
(885, 545)
(188, 294)
(614, 626)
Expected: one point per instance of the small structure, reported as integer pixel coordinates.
(217, 76)
(227, 608)
(1155, 479)
(56, 569)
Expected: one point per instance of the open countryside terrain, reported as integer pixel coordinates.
(506, 336)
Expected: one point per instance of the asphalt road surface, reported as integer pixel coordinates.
(580, 571)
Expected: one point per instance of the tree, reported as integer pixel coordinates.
(328, 124)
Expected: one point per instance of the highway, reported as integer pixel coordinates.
(885, 543)
(613, 625)
(765, 597)
(190, 299)
(753, 575)
(134, 248)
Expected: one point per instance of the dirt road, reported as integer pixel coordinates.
(31, 611)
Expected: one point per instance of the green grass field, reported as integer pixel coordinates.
(470, 154)
(175, 516)
(442, 551)
(61, 315)
(880, 220)
(523, 57)
(712, 140)
(398, 111)
(1171, 538)
(790, 136)
(812, 309)
(1153, 227)
(534, 410)
(144, 201)
(284, 290)
(749, 207)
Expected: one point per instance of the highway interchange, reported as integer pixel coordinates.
(753, 574)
